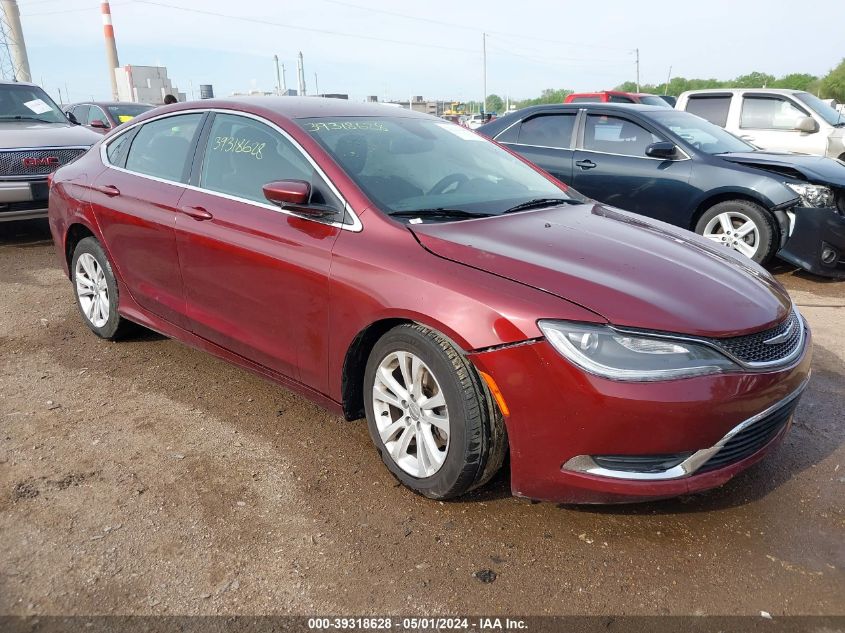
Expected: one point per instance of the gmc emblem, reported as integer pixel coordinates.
(48, 161)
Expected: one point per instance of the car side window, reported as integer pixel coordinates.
(161, 147)
(769, 113)
(710, 108)
(81, 114)
(117, 150)
(615, 135)
(242, 155)
(620, 99)
(511, 134)
(95, 114)
(548, 130)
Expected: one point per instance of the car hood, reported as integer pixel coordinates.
(14, 134)
(631, 271)
(803, 166)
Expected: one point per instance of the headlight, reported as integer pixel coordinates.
(812, 195)
(606, 352)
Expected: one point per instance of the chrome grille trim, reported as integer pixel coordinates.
(11, 160)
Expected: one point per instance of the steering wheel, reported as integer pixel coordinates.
(447, 181)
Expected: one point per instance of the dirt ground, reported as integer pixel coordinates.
(144, 477)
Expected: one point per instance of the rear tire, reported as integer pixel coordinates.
(96, 290)
(744, 226)
(443, 436)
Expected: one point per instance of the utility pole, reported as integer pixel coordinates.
(316, 86)
(13, 44)
(278, 75)
(484, 68)
(668, 79)
(637, 51)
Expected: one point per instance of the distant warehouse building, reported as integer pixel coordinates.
(145, 84)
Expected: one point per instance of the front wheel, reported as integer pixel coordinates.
(744, 226)
(430, 415)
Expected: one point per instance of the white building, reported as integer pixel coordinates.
(145, 84)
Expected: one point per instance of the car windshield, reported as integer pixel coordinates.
(654, 101)
(123, 113)
(701, 134)
(28, 103)
(831, 115)
(414, 164)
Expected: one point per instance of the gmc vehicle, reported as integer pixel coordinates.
(777, 120)
(35, 139)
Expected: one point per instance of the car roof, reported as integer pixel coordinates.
(305, 107)
(777, 91)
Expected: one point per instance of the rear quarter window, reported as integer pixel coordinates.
(710, 108)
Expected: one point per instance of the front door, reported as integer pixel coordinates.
(256, 278)
(546, 140)
(611, 166)
(769, 121)
(137, 202)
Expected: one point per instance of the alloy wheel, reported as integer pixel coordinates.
(92, 289)
(734, 230)
(411, 414)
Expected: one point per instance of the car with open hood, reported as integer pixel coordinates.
(35, 139)
(394, 266)
(676, 167)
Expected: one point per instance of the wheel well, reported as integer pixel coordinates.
(722, 197)
(75, 234)
(355, 363)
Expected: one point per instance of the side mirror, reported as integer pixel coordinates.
(100, 124)
(71, 118)
(807, 124)
(661, 149)
(294, 195)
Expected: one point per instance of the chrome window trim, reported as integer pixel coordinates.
(355, 226)
(662, 160)
(586, 464)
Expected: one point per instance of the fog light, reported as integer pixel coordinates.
(829, 255)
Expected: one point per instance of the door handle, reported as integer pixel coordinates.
(198, 213)
(110, 190)
(585, 164)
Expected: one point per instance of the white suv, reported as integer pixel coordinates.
(779, 120)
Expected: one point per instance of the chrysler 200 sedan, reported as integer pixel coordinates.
(392, 265)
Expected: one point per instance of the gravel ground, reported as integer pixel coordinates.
(144, 477)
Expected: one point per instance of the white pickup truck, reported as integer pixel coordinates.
(772, 119)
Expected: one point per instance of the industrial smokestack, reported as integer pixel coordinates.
(111, 47)
(17, 46)
(300, 67)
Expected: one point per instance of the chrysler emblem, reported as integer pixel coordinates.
(782, 337)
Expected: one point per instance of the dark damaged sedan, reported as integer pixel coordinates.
(679, 168)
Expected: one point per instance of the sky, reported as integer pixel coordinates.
(395, 49)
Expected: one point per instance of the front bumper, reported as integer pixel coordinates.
(817, 243)
(23, 199)
(559, 414)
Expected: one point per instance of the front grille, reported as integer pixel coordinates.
(12, 161)
(753, 348)
(752, 438)
(31, 205)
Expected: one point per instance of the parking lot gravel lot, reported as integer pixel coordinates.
(144, 477)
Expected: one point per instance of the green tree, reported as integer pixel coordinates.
(832, 85)
(495, 103)
(796, 81)
(754, 80)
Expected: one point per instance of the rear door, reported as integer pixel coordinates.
(257, 278)
(546, 139)
(136, 202)
(611, 166)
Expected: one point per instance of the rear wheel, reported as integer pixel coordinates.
(96, 290)
(430, 415)
(744, 226)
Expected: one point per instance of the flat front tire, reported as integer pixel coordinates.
(430, 415)
(96, 290)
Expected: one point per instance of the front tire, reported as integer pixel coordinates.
(744, 226)
(430, 415)
(96, 290)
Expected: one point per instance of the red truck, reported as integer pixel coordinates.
(617, 96)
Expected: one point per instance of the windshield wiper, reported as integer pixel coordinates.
(538, 203)
(23, 117)
(439, 212)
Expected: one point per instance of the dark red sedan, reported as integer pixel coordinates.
(390, 264)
